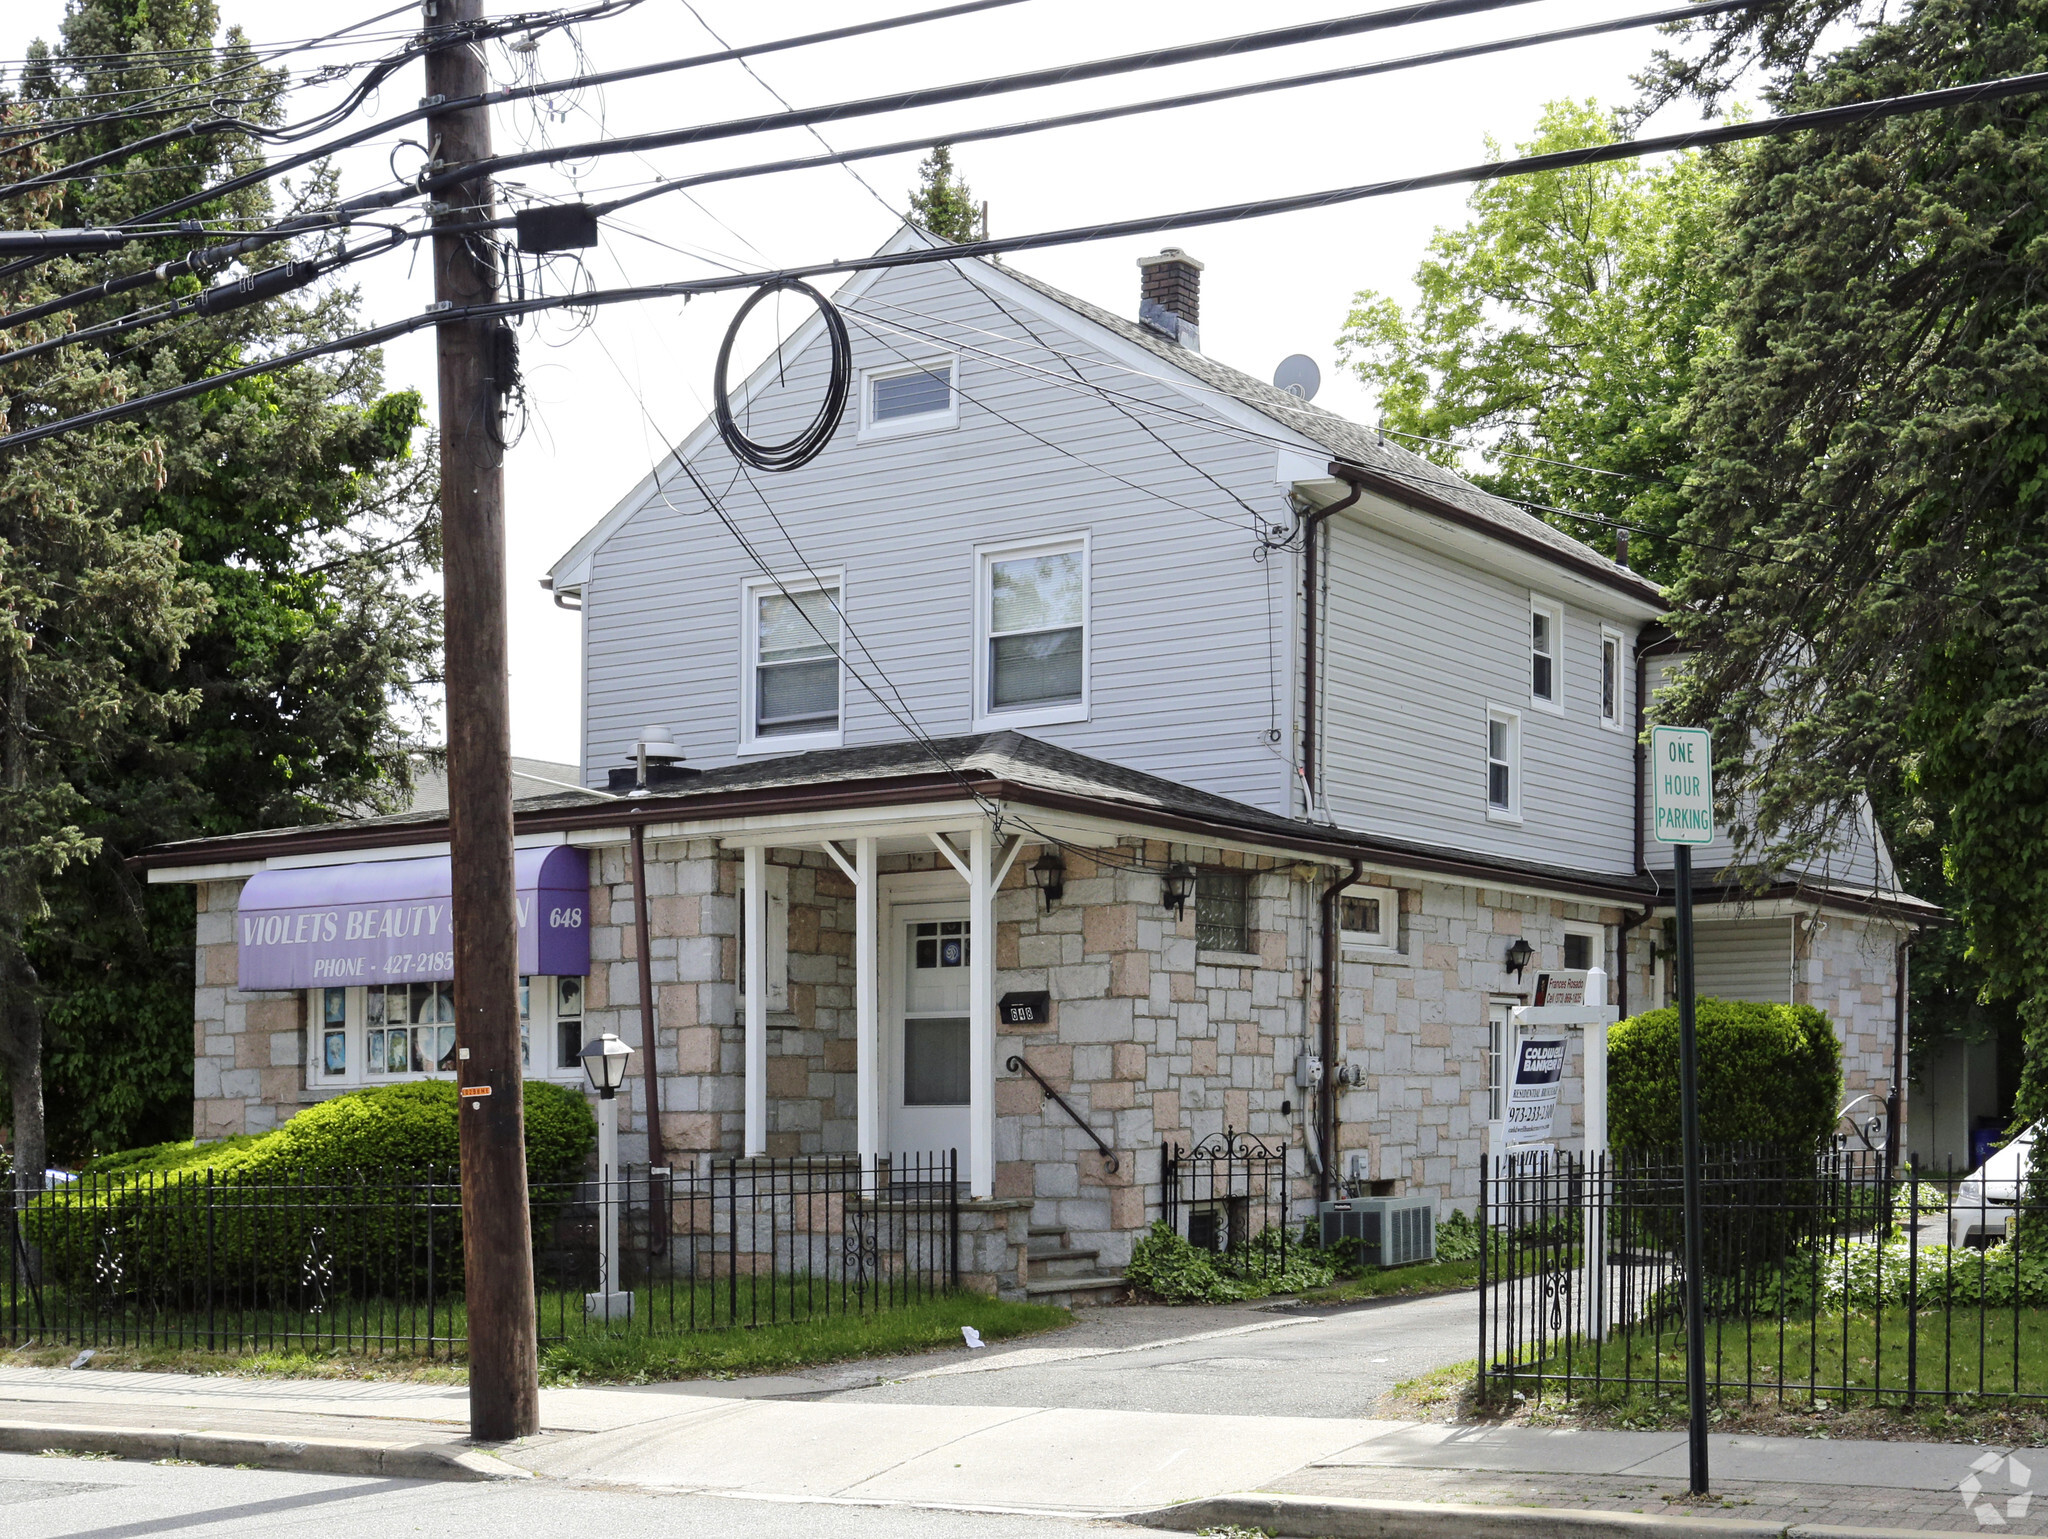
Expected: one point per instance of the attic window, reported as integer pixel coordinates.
(912, 398)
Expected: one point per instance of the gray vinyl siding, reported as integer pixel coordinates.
(1859, 859)
(1746, 959)
(1188, 633)
(1418, 646)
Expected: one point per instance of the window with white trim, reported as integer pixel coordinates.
(1546, 634)
(792, 687)
(914, 397)
(1369, 916)
(1033, 657)
(1610, 678)
(1503, 763)
(383, 1033)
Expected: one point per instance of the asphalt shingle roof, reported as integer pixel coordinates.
(1344, 439)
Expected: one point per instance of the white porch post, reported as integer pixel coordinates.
(981, 1012)
(867, 1005)
(755, 1071)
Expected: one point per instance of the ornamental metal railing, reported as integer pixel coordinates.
(373, 1263)
(1824, 1279)
(1228, 1193)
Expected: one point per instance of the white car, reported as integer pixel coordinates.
(1986, 1199)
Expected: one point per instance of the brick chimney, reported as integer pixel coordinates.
(1170, 296)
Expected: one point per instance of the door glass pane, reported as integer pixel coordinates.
(1035, 593)
(935, 1061)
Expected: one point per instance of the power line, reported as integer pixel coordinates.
(1727, 133)
(933, 96)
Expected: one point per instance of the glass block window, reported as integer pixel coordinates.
(1578, 952)
(1223, 911)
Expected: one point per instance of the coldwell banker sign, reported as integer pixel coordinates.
(388, 921)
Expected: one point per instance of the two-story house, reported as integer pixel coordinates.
(1087, 711)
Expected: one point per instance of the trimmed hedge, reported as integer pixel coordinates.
(1769, 1074)
(337, 1181)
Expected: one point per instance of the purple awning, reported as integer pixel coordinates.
(387, 921)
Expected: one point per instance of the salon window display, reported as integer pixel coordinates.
(390, 1031)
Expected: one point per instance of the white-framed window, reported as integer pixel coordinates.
(918, 396)
(1369, 917)
(1583, 949)
(791, 691)
(1612, 688)
(384, 1033)
(1546, 654)
(1031, 660)
(1503, 764)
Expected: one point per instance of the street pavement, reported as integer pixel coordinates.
(1132, 1410)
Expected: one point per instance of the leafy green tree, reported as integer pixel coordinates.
(1866, 591)
(301, 506)
(942, 203)
(1557, 333)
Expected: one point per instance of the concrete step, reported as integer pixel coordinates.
(1062, 1263)
(1087, 1291)
(1049, 1232)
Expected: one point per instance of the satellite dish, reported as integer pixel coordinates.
(1299, 376)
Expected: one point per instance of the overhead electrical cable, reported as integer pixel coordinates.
(1170, 103)
(975, 90)
(1843, 115)
(1038, 125)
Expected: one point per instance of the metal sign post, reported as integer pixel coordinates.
(1591, 1012)
(1682, 786)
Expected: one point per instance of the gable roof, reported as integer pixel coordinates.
(1394, 472)
(1392, 467)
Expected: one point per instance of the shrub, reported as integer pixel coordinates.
(1769, 1074)
(335, 1182)
(1457, 1237)
(1165, 1264)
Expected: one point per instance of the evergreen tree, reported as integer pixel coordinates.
(298, 504)
(1866, 593)
(942, 203)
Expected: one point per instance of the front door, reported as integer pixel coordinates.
(929, 1086)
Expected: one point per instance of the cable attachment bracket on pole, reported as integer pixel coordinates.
(805, 446)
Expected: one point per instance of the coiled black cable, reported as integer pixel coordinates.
(803, 448)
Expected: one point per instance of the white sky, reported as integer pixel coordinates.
(607, 402)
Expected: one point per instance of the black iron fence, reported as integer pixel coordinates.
(1824, 1278)
(366, 1263)
(1228, 1193)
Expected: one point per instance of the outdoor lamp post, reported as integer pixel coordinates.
(604, 1061)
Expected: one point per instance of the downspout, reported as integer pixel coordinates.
(1894, 1103)
(1326, 1103)
(657, 1156)
(1311, 522)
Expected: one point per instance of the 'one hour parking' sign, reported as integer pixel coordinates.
(1682, 785)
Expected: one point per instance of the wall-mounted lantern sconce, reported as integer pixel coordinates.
(1049, 876)
(1177, 887)
(1519, 953)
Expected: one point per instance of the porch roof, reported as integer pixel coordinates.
(1009, 768)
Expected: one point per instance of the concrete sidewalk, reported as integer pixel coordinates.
(776, 1438)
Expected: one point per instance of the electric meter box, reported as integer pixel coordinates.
(1390, 1231)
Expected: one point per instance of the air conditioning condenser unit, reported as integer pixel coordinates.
(1390, 1231)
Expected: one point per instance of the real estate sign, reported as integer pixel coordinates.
(1682, 785)
(1532, 1094)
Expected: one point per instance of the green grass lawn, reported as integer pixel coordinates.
(1837, 1359)
(663, 1340)
(1398, 1282)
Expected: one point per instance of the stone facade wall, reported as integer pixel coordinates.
(248, 1050)
(1847, 966)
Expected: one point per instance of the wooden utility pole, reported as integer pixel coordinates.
(497, 1243)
